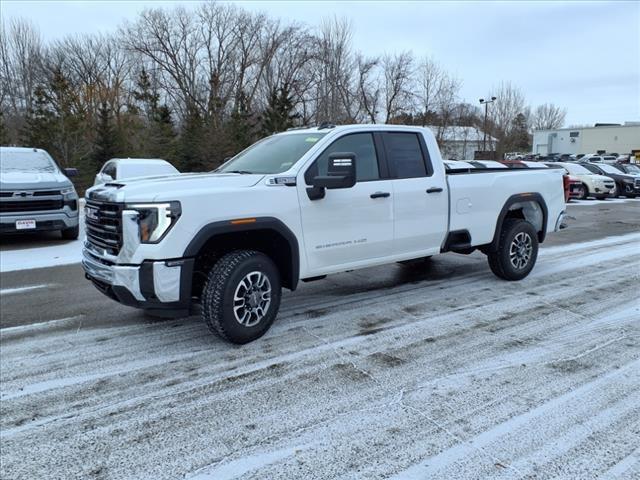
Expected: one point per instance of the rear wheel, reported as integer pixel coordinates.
(517, 250)
(241, 296)
(70, 233)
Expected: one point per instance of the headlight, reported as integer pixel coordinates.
(68, 191)
(155, 219)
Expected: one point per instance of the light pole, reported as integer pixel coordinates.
(484, 127)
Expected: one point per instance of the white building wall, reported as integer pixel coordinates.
(612, 139)
(618, 139)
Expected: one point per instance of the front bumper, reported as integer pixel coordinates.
(58, 220)
(605, 190)
(162, 286)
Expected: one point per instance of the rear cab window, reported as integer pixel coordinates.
(406, 155)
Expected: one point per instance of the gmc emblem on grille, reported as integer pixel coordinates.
(91, 213)
(23, 194)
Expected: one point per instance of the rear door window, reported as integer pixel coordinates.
(405, 155)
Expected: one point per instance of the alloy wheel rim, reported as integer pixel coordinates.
(520, 250)
(252, 299)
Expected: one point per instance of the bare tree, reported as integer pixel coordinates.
(21, 55)
(334, 66)
(368, 87)
(397, 70)
(509, 102)
(548, 117)
(430, 76)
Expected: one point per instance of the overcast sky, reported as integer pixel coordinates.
(584, 56)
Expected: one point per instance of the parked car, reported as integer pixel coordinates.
(627, 185)
(597, 186)
(573, 187)
(591, 158)
(456, 165)
(629, 168)
(486, 164)
(35, 194)
(123, 168)
(303, 204)
(514, 163)
(531, 164)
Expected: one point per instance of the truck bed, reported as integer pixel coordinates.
(476, 195)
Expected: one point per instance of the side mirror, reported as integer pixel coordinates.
(71, 172)
(341, 172)
(107, 178)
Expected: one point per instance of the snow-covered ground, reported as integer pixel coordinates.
(59, 252)
(436, 374)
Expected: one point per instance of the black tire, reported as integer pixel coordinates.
(70, 233)
(627, 191)
(223, 281)
(513, 232)
(584, 193)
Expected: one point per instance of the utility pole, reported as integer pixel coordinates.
(484, 127)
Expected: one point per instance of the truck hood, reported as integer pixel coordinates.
(32, 180)
(170, 187)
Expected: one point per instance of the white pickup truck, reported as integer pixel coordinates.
(301, 205)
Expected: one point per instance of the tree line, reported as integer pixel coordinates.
(195, 86)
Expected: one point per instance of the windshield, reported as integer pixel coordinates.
(273, 154)
(632, 168)
(26, 161)
(576, 169)
(609, 169)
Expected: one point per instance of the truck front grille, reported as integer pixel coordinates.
(21, 206)
(104, 225)
(637, 182)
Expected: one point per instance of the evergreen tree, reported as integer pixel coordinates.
(146, 95)
(520, 134)
(39, 128)
(4, 136)
(163, 135)
(241, 127)
(190, 144)
(279, 114)
(106, 143)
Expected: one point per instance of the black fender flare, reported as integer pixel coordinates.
(213, 229)
(517, 198)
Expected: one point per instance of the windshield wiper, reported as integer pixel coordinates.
(242, 172)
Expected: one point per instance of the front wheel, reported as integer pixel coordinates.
(517, 250)
(241, 296)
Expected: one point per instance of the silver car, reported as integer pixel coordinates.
(35, 194)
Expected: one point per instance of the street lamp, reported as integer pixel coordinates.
(484, 128)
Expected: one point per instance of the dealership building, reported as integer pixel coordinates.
(621, 139)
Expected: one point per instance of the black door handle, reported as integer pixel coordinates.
(434, 190)
(380, 195)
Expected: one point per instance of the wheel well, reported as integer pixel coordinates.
(526, 206)
(268, 241)
(529, 210)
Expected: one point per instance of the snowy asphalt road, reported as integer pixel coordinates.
(440, 371)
